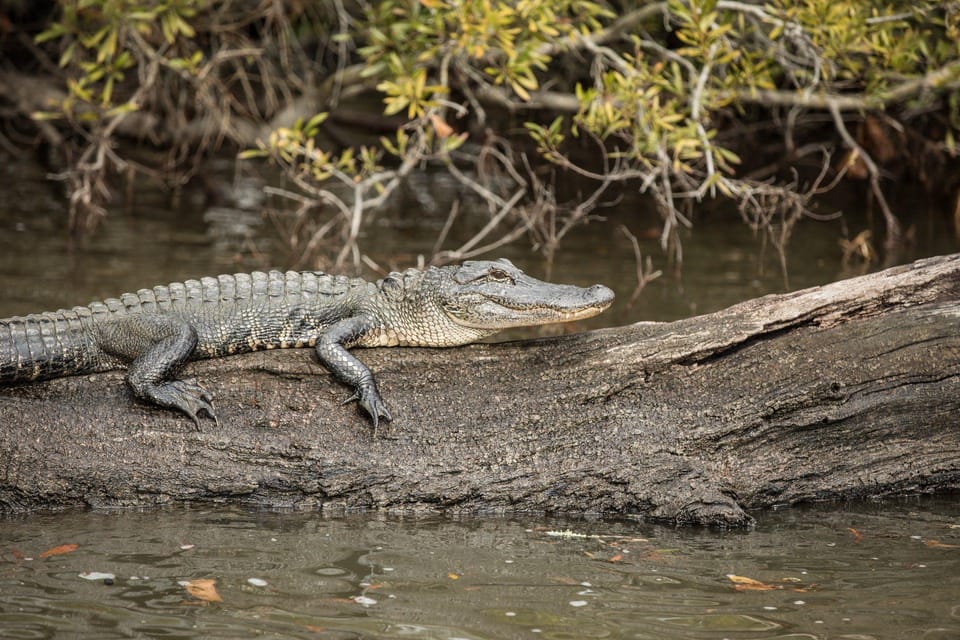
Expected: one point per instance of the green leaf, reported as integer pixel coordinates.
(314, 123)
(68, 54)
(453, 142)
(250, 154)
(56, 30)
(46, 115)
(126, 107)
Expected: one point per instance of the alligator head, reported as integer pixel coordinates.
(458, 304)
(497, 295)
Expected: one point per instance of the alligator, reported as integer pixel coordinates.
(153, 332)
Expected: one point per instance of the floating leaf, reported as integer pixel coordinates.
(203, 589)
(59, 550)
(742, 583)
(936, 544)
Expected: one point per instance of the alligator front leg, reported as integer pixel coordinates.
(332, 351)
(156, 348)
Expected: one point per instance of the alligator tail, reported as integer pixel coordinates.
(48, 345)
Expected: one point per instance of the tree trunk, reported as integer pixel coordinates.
(846, 390)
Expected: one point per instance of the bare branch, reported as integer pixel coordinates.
(645, 272)
(894, 233)
(466, 250)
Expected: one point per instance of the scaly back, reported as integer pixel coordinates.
(61, 343)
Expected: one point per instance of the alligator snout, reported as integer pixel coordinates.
(600, 295)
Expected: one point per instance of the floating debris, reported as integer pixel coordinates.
(96, 575)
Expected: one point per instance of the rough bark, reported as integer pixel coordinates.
(846, 390)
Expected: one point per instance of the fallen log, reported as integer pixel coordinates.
(846, 390)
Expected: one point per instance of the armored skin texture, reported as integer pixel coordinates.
(153, 332)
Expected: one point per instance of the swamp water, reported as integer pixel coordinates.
(854, 571)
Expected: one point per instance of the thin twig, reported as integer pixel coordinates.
(644, 275)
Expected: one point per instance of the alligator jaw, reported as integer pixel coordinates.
(496, 295)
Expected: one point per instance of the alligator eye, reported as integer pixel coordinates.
(499, 275)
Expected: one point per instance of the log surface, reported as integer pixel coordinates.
(846, 390)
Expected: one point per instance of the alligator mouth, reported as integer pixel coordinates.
(561, 314)
(565, 315)
(499, 312)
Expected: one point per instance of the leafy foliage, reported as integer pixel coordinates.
(660, 88)
(96, 35)
(501, 42)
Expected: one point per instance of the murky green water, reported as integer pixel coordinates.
(843, 571)
(840, 571)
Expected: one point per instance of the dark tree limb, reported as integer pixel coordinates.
(846, 390)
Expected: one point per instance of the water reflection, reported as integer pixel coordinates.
(860, 571)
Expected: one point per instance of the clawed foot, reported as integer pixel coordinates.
(187, 396)
(369, 399)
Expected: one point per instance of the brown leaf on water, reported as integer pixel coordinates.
(59, 550)
(857, 536)
(616, 558)
(742, 583)
(204, 589)
(936, 544)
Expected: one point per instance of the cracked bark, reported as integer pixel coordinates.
(847, 390)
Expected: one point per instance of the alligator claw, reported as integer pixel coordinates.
(369, 399)
(187, 396)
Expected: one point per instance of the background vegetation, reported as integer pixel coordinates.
(765, 104)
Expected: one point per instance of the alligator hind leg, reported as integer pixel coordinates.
(157, 347)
